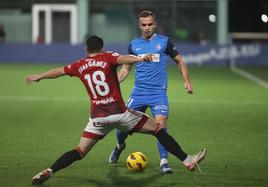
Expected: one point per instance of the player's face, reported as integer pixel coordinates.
(147, 26)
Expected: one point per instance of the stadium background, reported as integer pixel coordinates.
(224, 42)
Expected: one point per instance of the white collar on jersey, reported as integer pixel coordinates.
(150, 38)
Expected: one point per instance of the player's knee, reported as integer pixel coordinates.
(162, 124)
(159, 126)
(162, 120)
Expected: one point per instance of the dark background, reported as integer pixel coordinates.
(245, 16)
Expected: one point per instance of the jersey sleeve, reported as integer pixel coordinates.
(112, 57)
(71, 69)
(130, 50)
(171, 49)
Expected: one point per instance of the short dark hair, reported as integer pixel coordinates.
(94, 44)
(146, 13)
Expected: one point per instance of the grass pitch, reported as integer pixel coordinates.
(227, 114)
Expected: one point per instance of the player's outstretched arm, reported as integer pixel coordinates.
(124, 72)
(130, 59)
(54, 73)
(184, 72)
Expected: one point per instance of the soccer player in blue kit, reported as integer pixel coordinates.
(150, 88)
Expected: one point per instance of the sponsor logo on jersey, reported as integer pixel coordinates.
(156, 57)
(107, 123)
(158, 47)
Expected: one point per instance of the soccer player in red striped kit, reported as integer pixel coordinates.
(108, 111)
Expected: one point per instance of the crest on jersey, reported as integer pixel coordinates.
(158, 47)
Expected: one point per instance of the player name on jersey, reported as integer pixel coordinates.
(104, 101)
(91, 63)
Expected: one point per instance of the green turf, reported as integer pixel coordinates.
(261, 71)
(227, 114)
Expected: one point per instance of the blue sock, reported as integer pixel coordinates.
(121, 136)
(162, 151)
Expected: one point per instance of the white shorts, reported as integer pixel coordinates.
(129, 121)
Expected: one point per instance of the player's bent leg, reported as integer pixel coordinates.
(86, 144)
(121, 137)
(170, 144)
(119, 147)
(164, 138)
(116, 152)
(41, 177)
(164, 166)
(132, 119)
(69, 157)
(190, 161)
(150, 127)
(65, 160)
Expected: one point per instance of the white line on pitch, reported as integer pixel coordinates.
(250, 76)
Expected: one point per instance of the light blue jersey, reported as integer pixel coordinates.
(150, 90)
(152, 76)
